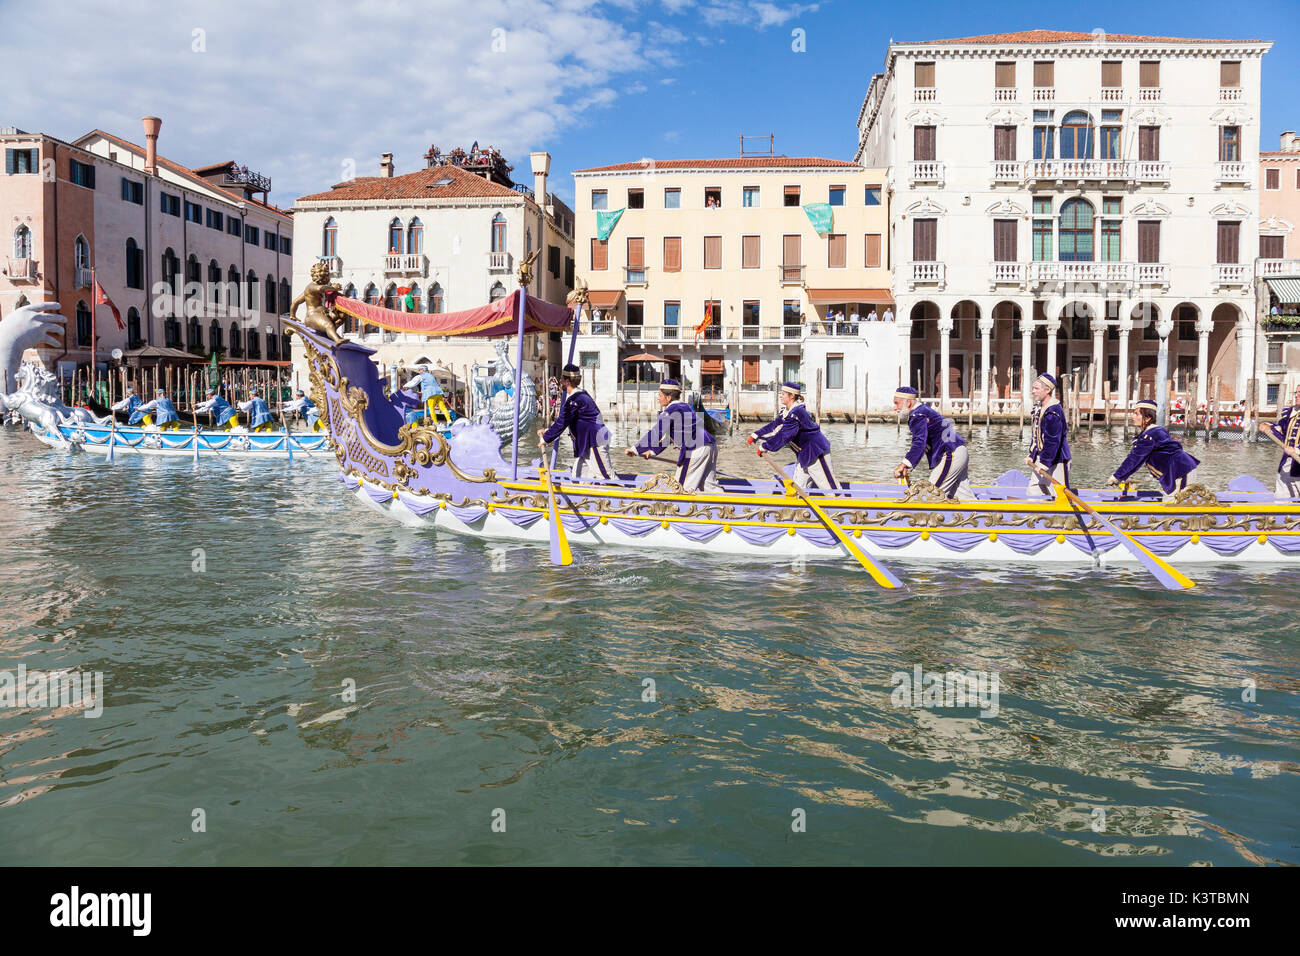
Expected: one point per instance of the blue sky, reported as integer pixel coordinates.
(310, 93)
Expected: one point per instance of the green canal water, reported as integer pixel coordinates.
(636, 708)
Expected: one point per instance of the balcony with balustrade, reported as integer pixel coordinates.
(334, 263)
(1149, 171)
(82, 277)
(1111, 273)
(1277, 268)
(923, 94)
(925, 273)
(1150, 94)
(1232, 174)
(1007, 172)
(1112, 94)
(499, 262)
(1063, 171)
(634, 277)
(1231, 274)
(1005, 94)
(1230, 94)
(926, 172)
(1151, 274)
(1044, 94)
(406, 264)
(791, 274)
(21, 270)
(1007, 273)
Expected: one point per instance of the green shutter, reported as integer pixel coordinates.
(9, 161)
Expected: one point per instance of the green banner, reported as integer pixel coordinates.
(819, 214)
(605, 222)
(214, 372)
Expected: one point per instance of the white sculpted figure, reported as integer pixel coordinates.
(494, 396)
(36, 396)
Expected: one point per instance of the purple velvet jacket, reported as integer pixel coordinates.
(679, 425)
(1163, 456)
(796, 428)
(581, 417)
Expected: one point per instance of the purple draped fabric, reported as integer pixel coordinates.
(1228, 544)
(468, 515)
(419, 506)
(698, 532)
(633, 526)
(891, 539)
(574, 522)
(521, 519)
(1102, 541)
(959, 540)
(376, 493)
(818, 536)
(1025, 543)
(1287, 544)
(761, 536)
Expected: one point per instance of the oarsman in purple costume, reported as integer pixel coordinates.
(1287, 429)
(935, 437)
(1163, 456)
(1049, 446)
(580, 416)
(679, 425)
(796, 428)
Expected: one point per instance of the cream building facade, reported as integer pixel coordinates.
(1068, 201)
(1277, 270)
(736, 233)
(455, 236)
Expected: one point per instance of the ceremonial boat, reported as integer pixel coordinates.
(465, 484)
(111, 439)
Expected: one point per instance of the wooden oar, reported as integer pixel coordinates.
(1164, 572)
(1268, 430)
(882, 575)
(560, 553)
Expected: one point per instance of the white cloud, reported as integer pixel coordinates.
(771, 14)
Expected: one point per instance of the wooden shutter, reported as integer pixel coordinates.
(599, 255)
(924, 76)
(751, 369)
(791, 251)
(1149, 241)
(792, 191)
(836, 250)
(1230, 73)
(871, 259)
(1149, 73)
(923, 142)
(749, 252)
(713, 252)
(924, 235)
(1271, 247)
(1112, 73)
(1272, 178)
(1004, 240)
(1004, 75)
(672, 253)
(1004, 142)
(1229, 244)
(1044, 74)
(636, 253)
(1149, 143)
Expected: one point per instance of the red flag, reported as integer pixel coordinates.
(101, 298)
(708, 320)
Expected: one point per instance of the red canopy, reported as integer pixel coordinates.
(497, 319)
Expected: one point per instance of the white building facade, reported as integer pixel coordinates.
(1069, 202)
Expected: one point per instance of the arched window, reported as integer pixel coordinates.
(172, 332)
(22, 301)
(1075, 232)
(214, 335)
(193, 277)
(214, 282)
(330, 243)
(254, 343)
(286, 345)
(415, 236)
(350, 291)
(134, 265)
(252, 301)
(390, 296)
(270, 295)
(284, 296)
(1076, 136)
(372, 294)
(498, 233)
(528, 242)
(232, 292)
(498, 292)
(435, 299)
(83, 324)
(22, 243)
(171, 270)
(236, 341)
(81, 253)
(395, 236)
(193, 333)
(417, 300)
(133, 337)
(272, 346)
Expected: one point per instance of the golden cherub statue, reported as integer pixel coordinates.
(319, 317)
(525, 272)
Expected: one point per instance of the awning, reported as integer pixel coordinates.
(604, 300)
(836, 296)
(710, 366)
(1286, 290)
(494, 320)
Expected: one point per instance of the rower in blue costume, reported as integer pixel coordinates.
(1153, 447)
(161, 407)
(302, 405)
(936, 438)
(129, 403)
(1287, 428)
(796, 428)
(259, 415)
(580, 416)
(1049, 445)
(678, 424)
(220, 409)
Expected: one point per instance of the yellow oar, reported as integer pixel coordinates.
(882, 575)
(1165, 573)
(560, 553)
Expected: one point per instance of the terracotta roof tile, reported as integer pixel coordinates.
(750, 162)
(1062, 36)
(418, 185)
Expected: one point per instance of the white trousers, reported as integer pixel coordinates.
(821, 475)
(594, 464)
(1045, 487)
(700, 470)
(949, 476)
(1288, 486)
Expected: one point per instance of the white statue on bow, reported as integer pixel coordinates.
(35, 397)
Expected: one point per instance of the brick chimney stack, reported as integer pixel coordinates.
(386, 165)
(541, 163)
(1289, 143)
(151, 126)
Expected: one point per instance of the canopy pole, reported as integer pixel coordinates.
(519, 382)
(573, 344)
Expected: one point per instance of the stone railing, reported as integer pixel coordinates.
(926, 171)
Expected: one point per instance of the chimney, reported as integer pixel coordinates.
(386, 165)
(541, 168)
(1289, 144)
(151, 126)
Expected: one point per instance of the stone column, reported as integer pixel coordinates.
(1163, 328)
(1098, 359)
(986, 330)
(1204, 326)
(1026, 357)
(1124, 399)
(904, 345)
(945, 332)
(1246, 328)
(1053, 326)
